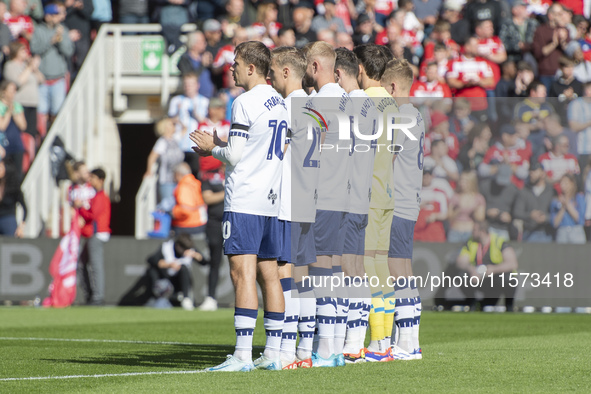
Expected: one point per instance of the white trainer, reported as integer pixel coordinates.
(209, 305)
(400, 354)
(269, 364)
(232, 364)
(187, 304)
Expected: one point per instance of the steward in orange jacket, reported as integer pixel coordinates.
(189, 215)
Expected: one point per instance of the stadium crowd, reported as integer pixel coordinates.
(505, 84)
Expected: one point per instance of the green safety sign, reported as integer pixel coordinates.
(152, 55)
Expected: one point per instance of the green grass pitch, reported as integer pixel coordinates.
(463, 352)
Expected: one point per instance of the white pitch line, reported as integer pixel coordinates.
(107, 375)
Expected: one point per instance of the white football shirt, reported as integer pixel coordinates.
(253, 184)
(333, 183)
(362, 151)
(408, 168)
(286, 178)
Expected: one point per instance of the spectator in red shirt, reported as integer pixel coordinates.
(225, 56)
(440, 131)
(97, 232)
(216, 120)
(470, 76)
(441, 57)
(558, 161)
(441, 35)
(429, 225)
(510, 150)
(490, 47)
(21, 25)
(432, 87)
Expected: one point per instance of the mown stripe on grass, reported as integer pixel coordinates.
(105, 341)
(107, 375)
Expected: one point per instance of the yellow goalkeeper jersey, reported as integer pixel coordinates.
(382, 186)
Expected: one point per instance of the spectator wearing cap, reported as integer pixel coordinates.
(440, 131)
(517, 32)
(459, 27)
(198, 60)
(529, 115)
(469, 76)
(465, 207)
(567, 212)
(78, 15)
(51, 41)
(532, 206)
(558, 161)
(328, 20)
(510, 152)
(212, 29)
(550, 42)
(444, 167)
(433, 210)
(133, 12)
(364, 32)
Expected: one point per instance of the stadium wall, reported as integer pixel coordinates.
(24, 272)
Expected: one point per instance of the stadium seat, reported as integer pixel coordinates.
(29, 155)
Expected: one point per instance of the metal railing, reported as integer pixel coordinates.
(113, 64)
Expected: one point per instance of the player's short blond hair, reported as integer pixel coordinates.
(398, 71)
(290, 57)
(321, 49)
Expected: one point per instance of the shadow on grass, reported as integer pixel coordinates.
(173, 356)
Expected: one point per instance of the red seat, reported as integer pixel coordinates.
(29, 155)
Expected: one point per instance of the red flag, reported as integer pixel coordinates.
(62, 291)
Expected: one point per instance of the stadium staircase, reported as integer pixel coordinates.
(127, 77)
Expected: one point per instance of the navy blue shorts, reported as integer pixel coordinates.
(401, 238)
(302, 244)
(285, 234)
(251, 234)
(355, 224)
(329, 233)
